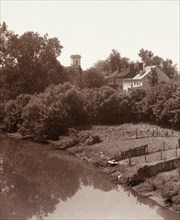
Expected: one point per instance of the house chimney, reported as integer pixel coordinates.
(140, 66)
(131, 67)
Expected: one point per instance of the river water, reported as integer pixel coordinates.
(39, 183)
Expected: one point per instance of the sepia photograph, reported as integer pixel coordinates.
(89, 110)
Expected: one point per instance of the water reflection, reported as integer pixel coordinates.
(33, 182)
(162, 212)
(37, 183)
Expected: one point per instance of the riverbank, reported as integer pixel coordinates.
(100, 144)
(58, 185)
(112, 140)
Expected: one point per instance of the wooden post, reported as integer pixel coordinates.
(130, 161)
(176, 151)
(146, 151)
(153, 133)
(157, 131)
(136, 133)
(164, 147)
(172, 131)
(161, 154)
(178, 142)
(129, 156)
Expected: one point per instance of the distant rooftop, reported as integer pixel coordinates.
(75, 56)
(144, 72)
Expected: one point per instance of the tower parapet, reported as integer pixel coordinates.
(75, 60)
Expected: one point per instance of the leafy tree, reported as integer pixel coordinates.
(123, 108)
(164, 92)
(92, 78)
(74, 76)
(169, 68)
(96, 101)
(136, 96)
(103, 67)
(28, 62)
(167, 65)
(105, 105)
(124, 62)
(160, 105)
(13, 111)
(171, 107)
(153, 78)
(117, 62)
(113, 62)
(52, 112)
(146, 56)
(8, 42)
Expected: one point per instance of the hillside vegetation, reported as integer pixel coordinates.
(75, 110)
(51, 113)
(42, 99)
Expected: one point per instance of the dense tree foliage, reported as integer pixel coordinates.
(28, 63)
(103, 67)
(74, 76)
(36, 100)
(13, 110)
(167, 65)
(91, 78)
(49, 114)
(113, 62)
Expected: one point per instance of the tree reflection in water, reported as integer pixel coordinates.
(33, 182)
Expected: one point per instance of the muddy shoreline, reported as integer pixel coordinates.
(116, 176)
(116, 172)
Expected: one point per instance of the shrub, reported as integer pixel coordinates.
(90, 139)
(13, 112)
(68, 142)
(52, 112)
(93, 139)
(107, 106)
(168, 184)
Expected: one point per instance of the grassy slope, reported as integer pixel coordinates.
(118, 138)
(123, 137)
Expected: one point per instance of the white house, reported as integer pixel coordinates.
(142, 78)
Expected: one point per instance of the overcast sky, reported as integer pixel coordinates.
(93, 28)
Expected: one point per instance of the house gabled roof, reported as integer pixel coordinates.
(112, 74)
(124, 73)
(144, 72)
(129, 73)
